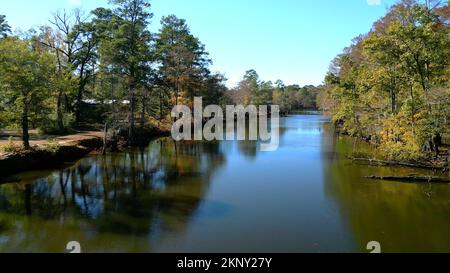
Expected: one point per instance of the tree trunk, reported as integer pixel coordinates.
(114, 119)
(411, 179)
(393, 101)
(114, 147)
(131, 131)
(79, 101)
(160, 106)
(177, 92)
(59, 113)
(437, 142)
(398, 163)
(105, 139)
(144, 106)
(25, 134)
(413, 112)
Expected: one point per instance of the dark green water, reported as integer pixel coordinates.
(225, 197)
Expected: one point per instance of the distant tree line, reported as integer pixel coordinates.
(290, 98)
(391, 86)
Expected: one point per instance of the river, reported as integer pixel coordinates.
(226, 197)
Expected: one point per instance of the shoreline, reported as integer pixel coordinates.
(440, 163)
(76, 147)
(23, 161)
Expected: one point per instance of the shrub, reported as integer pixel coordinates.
(11, 146)
(52, 146)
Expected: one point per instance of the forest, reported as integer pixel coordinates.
(105, 70)
(391, 85)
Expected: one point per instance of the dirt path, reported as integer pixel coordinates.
(71, 147)
(62, 140)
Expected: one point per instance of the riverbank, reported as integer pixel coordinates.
(428, 160)
(48, 152)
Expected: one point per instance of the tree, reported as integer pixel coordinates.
(24, 78)
(247, 88)
(214, 90)
(74, 43)
(182, 57)
(390, 85)
(125, 47)
(85, 60)
(5, 29)
(252, 90)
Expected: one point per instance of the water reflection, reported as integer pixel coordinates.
(226, 197)
(402, 217)
(139, 193)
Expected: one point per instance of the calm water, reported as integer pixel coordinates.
(225, 197)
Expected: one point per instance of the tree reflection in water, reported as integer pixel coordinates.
(226, 197)
(403, 217)
(141, 193)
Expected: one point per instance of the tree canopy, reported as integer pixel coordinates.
(103, 68)
(391, 86)
(5, 29)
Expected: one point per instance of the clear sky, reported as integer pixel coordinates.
(291, 40)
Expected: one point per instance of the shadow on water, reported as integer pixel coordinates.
(402, 217)
(138, 194)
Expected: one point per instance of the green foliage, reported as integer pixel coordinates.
(183, 61)
(11, 146)
(5, 29)
(52, 146)
(80, 71)
(392, 85)
(50, 128)
(124, 38)
(251, 90)
(24, 80)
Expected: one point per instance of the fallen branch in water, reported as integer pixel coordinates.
(396, 163)
(412, 178)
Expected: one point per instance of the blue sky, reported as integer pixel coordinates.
(291, 40)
